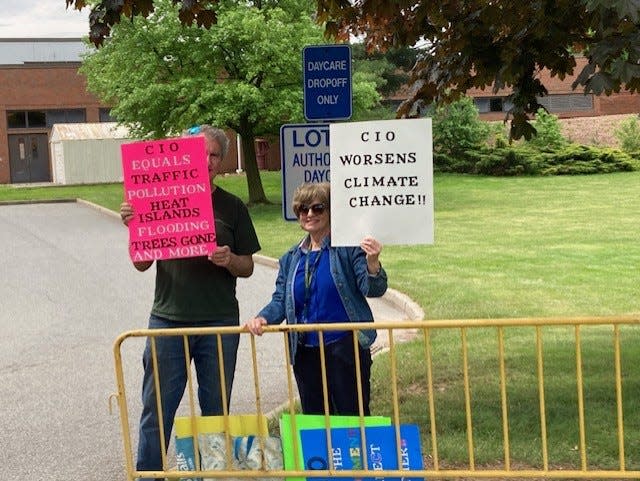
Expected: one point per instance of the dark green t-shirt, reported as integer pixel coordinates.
(194, 289)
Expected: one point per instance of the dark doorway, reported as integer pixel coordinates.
(29, 158)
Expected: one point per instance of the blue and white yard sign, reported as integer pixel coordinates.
(304, 154)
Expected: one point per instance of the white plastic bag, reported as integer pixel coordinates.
(247, 454)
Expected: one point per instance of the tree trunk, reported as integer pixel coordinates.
(254, 182)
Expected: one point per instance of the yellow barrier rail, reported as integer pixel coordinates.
(452, 348)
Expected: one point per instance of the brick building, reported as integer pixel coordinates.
(39, 86)
(561, 100)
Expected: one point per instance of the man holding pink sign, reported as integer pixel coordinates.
(194, 291)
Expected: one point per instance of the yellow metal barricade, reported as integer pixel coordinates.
(494, 398)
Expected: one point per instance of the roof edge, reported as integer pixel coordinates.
(41, 39)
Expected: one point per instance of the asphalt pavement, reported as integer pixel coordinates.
(68, 291)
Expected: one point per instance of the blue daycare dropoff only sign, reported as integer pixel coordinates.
(304, 153)
(327, 82)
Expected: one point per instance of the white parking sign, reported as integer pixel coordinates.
(304, 155)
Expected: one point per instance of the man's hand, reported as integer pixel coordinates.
(239, 266)
(126, 213)
(221, 256)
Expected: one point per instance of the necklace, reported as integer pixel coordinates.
(309, 271)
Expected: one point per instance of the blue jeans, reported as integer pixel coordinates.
(173, 379)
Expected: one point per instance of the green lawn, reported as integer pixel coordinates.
(504, 247)
(560, 390)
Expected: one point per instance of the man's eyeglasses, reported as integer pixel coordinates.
(315, 208)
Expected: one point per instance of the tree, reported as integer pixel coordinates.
(480, 43)
(548, 132)
(457, 128)
(471, 43)
(107, 13)
(390, 67)
(245, 73)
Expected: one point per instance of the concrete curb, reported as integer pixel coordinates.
(404, 303)
(104, 210)
(41, 201)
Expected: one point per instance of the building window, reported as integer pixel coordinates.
(30, 119)
(67, 116)
(495, 104)
(567, 103)
(17, 120)
(492, 104)
(34, 119)
(105, 116)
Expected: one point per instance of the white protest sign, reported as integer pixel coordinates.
(382, 182)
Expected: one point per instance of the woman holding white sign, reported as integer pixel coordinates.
(319, 283)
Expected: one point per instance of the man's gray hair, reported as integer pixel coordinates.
(214, 133)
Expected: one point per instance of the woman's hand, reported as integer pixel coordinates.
(255, 325)
(372, 249)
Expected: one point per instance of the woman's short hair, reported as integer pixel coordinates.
(309, 192)
(212, 133)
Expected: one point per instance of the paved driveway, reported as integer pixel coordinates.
(68, 290)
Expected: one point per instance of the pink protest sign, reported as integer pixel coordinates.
(167, 184)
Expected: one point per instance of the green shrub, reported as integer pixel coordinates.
(500, 140)
(577, 159)
(457, 128)
(548, 132)
(523, 159)
(460, 164)
(509, 160)
(460, 146)
(628, 134)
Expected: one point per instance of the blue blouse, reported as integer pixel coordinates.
(317, 299)
(348, 266)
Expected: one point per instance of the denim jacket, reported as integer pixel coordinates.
(352, 280)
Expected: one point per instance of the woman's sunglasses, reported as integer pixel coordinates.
(315, 208)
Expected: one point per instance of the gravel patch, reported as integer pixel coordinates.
(593, 130)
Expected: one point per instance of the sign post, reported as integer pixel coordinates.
(304, 148)
(327, 82)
